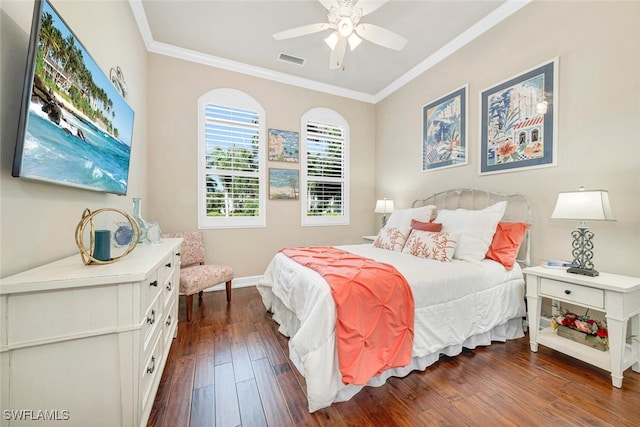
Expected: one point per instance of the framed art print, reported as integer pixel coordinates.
(283, 146)
(444, 131)
(284, 184)
(519, 120)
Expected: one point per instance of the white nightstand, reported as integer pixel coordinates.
(369, 238)
(617, 296)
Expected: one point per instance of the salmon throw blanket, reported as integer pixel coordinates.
(374, 306)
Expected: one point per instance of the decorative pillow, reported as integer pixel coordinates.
(392, 238)
(426, 226)
(427, 244)
(403, 217)
(475, 228)
(506, 243)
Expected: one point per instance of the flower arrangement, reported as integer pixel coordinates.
(593, 329)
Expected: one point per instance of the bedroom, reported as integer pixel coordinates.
(599, 69)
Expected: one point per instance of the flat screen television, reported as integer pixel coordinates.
(74, 127)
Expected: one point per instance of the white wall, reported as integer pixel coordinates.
(174, 88)
(38, 220)
(598, 45)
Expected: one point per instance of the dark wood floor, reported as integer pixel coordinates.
(229, 367)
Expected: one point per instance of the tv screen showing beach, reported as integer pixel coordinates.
(75, 128)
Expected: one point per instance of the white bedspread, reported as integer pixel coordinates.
(458, 304)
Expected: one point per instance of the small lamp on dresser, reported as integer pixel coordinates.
(384, 207)
(583, 205)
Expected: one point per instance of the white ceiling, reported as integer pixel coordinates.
(237, 35)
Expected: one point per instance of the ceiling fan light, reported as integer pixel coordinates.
(354, 41)
(332, 40)
(345, 27)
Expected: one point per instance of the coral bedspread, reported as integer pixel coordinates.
(374, 308)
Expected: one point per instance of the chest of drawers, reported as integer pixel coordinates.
(87, 344)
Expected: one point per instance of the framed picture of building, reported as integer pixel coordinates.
(519, 121)
(444, 131)
(283, 146)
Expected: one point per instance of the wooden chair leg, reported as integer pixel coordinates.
(200, 294)
(189, 304)
(229, 291)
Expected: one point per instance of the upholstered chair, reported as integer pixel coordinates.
(195, 275)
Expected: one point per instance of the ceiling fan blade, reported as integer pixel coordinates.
(381, 36)
(337, 54)
(369, 6)
(301, 31)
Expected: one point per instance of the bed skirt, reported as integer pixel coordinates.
(289, 325)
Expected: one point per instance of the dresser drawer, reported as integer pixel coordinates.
(170, 290)
(166, 269)
(169, 325)
(152, 318)
(150, 287)
(151, 368)
(569, 292)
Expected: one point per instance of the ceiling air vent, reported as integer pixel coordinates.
(291, 59)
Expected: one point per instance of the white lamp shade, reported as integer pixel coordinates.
(384, 206)
(592, 205)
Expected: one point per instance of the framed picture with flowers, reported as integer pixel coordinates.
(519, 121)
(444, 131)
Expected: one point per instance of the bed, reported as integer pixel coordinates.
(460, 299)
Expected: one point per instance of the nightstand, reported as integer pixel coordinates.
(617, 296)
(369, 238)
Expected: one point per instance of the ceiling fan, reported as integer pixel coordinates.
(344, 18)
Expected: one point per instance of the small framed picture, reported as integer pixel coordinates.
(284, 184)
(283, 146)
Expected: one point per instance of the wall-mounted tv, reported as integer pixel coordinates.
(74, 127)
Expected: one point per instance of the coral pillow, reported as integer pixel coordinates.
(427, 244)
(506, 243)
(426, 226)
(392, 238)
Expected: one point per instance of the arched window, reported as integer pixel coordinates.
(231, 160)
(324, 169)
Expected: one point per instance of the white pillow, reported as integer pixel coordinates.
(392, 238)
(402, 217)
(474, 228)
(427, 244)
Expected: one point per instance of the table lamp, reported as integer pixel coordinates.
(384, 207)
(583, 205)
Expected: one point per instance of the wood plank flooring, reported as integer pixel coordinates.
(229, 367)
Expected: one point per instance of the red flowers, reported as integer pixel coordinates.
(594, 328)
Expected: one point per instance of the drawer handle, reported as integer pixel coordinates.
(169, 286)
(168, 320)
(153, 365)
(151, 320)
(168, 265)
(567, 291)
(177, 253)
(154, 283)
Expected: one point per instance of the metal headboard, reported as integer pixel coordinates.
(518, 209)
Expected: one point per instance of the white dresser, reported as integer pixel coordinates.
(85, 345)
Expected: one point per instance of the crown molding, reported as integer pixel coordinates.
(479, 28)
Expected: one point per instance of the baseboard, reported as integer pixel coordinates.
(238, 282)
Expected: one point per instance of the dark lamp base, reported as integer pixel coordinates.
(583, 271)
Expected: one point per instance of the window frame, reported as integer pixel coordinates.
(330, 117)
(231, 98)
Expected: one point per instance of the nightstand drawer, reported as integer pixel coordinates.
(572, 293)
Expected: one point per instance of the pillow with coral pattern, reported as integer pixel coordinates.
(433, 245)
(392, 238)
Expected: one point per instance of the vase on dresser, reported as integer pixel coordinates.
(144, 227)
